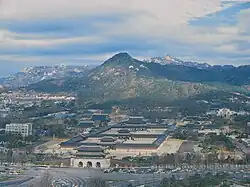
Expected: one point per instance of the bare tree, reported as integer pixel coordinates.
(177, 159)
(42, 149)
(172, 160)
(16, 156)
(165, 160)
(189, 159)
(206, 160)
(210, 159)
(3, 156)
(198, 159)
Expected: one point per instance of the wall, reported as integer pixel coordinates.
(74, 162)
(120, 153)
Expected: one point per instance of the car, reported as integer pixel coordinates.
(132, 171)
(159, 171)
(106, 171)
(176, 170)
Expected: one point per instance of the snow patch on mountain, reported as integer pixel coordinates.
(31, 75)
(168, 60)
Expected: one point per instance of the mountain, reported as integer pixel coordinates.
(123, 77)
(237, 76)
(167, 60)
(33, 75)
(1, 88)
(175, 69)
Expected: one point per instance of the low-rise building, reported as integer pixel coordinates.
(85, 126)
(246, 142)
(25, 129)
(100, 117)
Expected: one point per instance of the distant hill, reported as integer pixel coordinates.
(33, 75)
(215, 74)
(122, 77)
(170, 60)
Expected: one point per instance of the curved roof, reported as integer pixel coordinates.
(88, 154)
(74, 140)
(107, 143)
(107, 139)
(122, 131)
(100, 117)
(90, 148)
(86, 123)
(135, 120)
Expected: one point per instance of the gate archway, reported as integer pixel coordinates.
(80, 164)
(98, 165)
(89, 164)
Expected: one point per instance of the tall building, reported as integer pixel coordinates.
(25, 129)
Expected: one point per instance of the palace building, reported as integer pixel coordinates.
(134, 137)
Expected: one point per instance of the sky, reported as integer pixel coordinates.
(50, 32)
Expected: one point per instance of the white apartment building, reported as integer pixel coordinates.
(25, 129)
(225, 113)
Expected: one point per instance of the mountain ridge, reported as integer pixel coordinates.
(171, 60)
(167, 60)
(31, 75)
(123, 77)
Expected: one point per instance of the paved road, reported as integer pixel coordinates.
(79, 176)
(123, 179)
(83, 175)
(35, 175)
(69, 181)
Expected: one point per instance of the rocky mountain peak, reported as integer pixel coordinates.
(124, 55)
(120, 59)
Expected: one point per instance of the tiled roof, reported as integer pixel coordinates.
(107, 143)
(107, 139)
(86, 123)
(90, 148)
(90, 154)
(100, 117)
(74, 140)
(122, 131)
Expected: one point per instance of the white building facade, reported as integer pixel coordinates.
(25, 129)
(90, 163)
(225, 113)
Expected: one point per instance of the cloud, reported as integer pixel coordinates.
(53, 31)
(11, 39)
(226, 48)
(160, 9)
(244, 19)
(83, 59)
